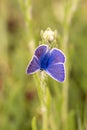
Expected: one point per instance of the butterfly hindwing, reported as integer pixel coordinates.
(56, 71)
(56, 56)
(33, 66)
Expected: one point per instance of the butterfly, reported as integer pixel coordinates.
(50, 60)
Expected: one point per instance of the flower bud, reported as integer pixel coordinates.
(48, 35)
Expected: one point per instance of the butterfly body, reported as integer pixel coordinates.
(52, 61)
(44, 62)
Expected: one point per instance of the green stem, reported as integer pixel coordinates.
(66, 82)
(34, 124)
(3, 33)
(26, 8)
(85, 114)
(70, 8)
(43, 103)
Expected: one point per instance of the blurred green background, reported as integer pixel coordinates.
(20, 26)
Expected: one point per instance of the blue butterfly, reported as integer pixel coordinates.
(50, 60)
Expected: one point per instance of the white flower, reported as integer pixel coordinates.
(48, 35)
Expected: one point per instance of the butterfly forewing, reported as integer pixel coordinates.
(57, 72)
(41, 51)
(33, 66)
(56, 56)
